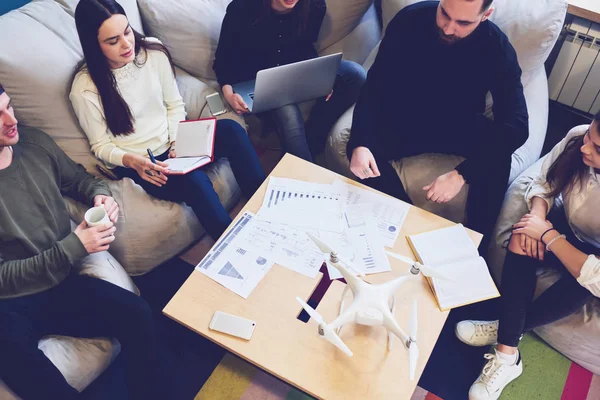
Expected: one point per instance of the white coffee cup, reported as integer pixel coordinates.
(96, 216)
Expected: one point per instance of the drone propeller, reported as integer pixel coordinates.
(413, 349)
(432, 272)
(425, 270)
(325, 248)
(328, 333)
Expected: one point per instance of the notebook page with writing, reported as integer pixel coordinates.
(443, 246)
(195, 138)
(471, 282)
(182, 165)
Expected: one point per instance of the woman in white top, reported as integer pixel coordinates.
(126, 99)
(567, 239)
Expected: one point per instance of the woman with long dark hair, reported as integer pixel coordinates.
(566, 239)
(127, 101)
(261, 34)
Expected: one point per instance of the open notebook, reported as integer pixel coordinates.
(452, 250)
(194, 145)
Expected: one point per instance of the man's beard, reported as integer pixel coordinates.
(448, 39)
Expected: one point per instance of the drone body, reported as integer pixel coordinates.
(372, 305)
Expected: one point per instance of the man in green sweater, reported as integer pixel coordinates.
(41, 292)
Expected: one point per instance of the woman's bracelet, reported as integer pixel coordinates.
(554, 240)
(547, 230)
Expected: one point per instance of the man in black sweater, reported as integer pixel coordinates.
(426, 94)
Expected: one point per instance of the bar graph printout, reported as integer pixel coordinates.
(304, 204)
(360, 243)
(389, 214)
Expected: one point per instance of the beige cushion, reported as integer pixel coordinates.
(576, 336)
(39, 49)
(130, 7)
(533, 27)
(81, 361)
(359, 43)
(189, 28)
(193, 91)
(419, 171)
(341, 19)
(415, 172)
(151, 231)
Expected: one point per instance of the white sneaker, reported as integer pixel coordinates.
(494, 377)
(477, 333)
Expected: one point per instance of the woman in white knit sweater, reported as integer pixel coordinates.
(127, 101)
(566, 238)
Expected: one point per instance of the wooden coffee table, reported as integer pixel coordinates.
(290, 349)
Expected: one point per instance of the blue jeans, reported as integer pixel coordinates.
(308, 141)
(83, 307)
(196, 189)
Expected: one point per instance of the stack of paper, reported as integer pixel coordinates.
(356, 222)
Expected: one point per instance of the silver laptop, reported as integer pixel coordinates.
(289, 84)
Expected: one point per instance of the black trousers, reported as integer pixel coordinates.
(486, 188)
(82, 307)
(519, 313)
(306, 141)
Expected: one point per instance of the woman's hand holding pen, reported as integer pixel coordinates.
(146, 169)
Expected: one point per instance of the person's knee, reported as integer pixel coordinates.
(353, 73)
(138, 313)
(230, 128)
(514, 245)
(15, 331)
(289, 117)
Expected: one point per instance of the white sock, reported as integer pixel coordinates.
(511, 359)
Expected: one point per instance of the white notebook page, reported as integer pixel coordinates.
(444, 246)
(471, 283)
(195, 138)
(185, 164)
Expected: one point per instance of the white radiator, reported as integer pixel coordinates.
(575, 78)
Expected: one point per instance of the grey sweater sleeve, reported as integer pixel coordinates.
(75, 182)
(27, 276)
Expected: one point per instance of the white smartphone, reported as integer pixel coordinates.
(215, 104)
(232, 325)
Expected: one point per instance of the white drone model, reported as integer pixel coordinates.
(373, 305)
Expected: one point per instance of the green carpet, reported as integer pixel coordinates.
(544, 374)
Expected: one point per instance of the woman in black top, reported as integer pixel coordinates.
(260, 34)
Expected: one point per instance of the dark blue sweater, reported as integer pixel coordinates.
(252, 39)
(422, 95)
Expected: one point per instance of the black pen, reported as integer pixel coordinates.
(151, 155)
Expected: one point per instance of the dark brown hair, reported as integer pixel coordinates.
(485, 6)
(89, 16)
(568, 170)
(301, 12)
